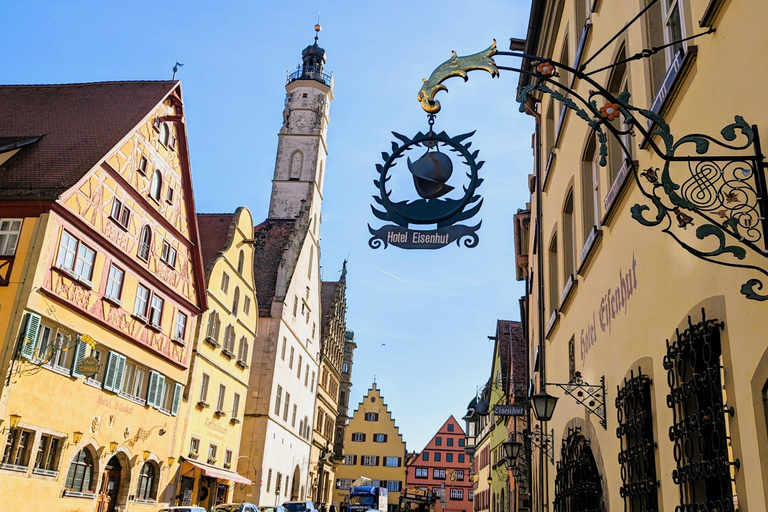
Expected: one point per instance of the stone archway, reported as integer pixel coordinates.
(578, 483)
(295, 484)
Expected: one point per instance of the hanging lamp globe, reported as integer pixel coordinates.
(543, 405)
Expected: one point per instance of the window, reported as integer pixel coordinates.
(156, 311)
(147, 484)
(311, 257)
(145, 243)
(269, 478)
(282, 352)
(295, 304)
(75, 257)
(306, 376)
(379, 438)
(437, 456)
(425, 456)
(133, 379)
(312, 382)
(392, 462)
(278, 397)
(287, 405)
(181, 326)
(204, 387)
(589, 178)
(554, 291)
(421, 473)
(222, 396)
(143, 165)
(358, 437)
(17, 449)
(235, 405)
(194, 447)
(448, 457)
(242, 350)
(169, 195)
(80, 475)
(114, 283)
(142, 302)
(228, 458)
(343, 483)
(240, 262)
(247, 305)
(393, 485)
(236, 301)
(461, 455)
(293, 418)
(214, 326)
(617, 85)
(569, 237)
(224, 282)
(438, 441)
(438, 474)
(278, 483)
(290, 359)
(47, 456)
(345, 368)
(229, 340)
(168, 256)
(470, 494)
(458, 475)
(457, 494)
(350, 460)
(10, 229)
(212, 448)
(165, 134)
(120, 213)
(450, 429)
(298, 368)
(370, 460)
(371, 416)
(156, 186)
(449, 441)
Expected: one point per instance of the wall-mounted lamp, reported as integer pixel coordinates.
(113, 446)
(146, 454)
(543, 405)
(531, 440)
(171, 460)
(14, 421)
(490, 479)
(591, 396)
(77, 436)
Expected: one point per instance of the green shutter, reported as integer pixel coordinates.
(176, 399)
(152, 388)
(159, 390)
(81, 348)
(119, 370)
(31, 331)
(109, 374)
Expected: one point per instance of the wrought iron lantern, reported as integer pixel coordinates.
(512, 449)
(113, 446)
(146, 454)
(14, 420)
(543, 405)
(77, 436)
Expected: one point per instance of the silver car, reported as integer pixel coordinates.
(236, 507)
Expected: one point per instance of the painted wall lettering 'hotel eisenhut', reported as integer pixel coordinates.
(680, 345)
(102, 282)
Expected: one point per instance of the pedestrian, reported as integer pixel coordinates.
(333, 508)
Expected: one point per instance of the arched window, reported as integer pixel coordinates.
(240, 262)
(554, 289)
(165, 134)
(589, 181)
(242, 350)
(236, 301)
(297, 161)
(569, 237)
(147, 486)
(80, 475)
(145, 243)
(229, 338)
(214, 326)
(311, 258)
(616, 85)
(156, 186)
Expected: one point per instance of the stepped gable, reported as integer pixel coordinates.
(271, 238)
(77, 125)
(215, 230)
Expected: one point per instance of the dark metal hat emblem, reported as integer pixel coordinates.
(430, 173)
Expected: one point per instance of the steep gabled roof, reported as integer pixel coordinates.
(215, 230)
(78, 124)
(271, 238)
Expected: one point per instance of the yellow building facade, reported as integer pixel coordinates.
(373, 449)
(217, 383)
(673, 335)
(105, 286)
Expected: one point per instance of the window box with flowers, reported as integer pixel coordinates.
(227, 465)
(193, 455)
(212, 460)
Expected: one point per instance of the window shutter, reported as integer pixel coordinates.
(119, 370)
(81, 348)
(31, 330)
(377, 460)
(354, 460)
(176, 399)
(363, 437)
(109, 373)
(399, 461)
(159, 390)
(385, 438)
(152, 388)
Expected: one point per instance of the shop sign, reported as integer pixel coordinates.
(89, 366)
(509, 410)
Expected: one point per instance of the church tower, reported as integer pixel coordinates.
(302, 148)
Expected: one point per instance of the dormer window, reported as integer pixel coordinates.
(156, 186)
(9, 236)
(165, 134)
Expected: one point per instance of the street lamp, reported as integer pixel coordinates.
(512, 449)
(543, 405)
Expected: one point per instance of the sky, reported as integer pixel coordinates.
(421, 317)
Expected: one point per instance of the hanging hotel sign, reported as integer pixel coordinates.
(89, 367)
(441, 202)
(509, 410)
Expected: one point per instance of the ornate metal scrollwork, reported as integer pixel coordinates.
(578, 485)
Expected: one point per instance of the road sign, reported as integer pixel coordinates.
(509, 410)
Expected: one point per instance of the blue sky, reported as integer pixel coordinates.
(421, 318)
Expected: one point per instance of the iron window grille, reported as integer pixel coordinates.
(578, 485)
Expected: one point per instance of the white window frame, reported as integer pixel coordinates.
(10, 231)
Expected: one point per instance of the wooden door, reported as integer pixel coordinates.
(110, 485)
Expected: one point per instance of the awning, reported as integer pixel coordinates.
(219, 473)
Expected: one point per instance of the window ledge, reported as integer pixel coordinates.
(242, 364)
(144, 502)
(77, 494)
(179, 341)
(140, 318)
(203, 404)
(552, 323)
(93, 383)
(14, 467)
(234, 421)
(227, 353)
(212, 342)
(568, 292)
(154, 327)
(85, 283)
(132, 398)
(45, 472)
(165, 411)
(118, 223)
(61, 370)
(219, 413)
(617, 190)
(113, 301)
(590, 246)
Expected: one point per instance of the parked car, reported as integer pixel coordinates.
(278, 508)
(236, 507)
(183, 508)
(299, 506)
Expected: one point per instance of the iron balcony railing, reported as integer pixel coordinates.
(310, 73)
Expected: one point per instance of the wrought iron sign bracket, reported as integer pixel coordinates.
(591, 396)
(539, 440)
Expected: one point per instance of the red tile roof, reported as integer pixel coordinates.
(214, 229)
(271, 237)
(78, 125)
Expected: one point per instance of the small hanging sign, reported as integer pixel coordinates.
(432, 175)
